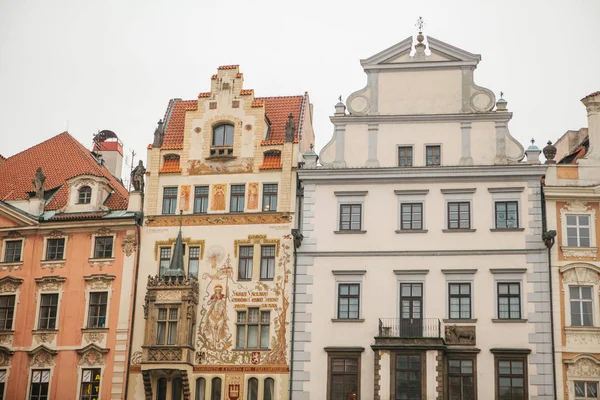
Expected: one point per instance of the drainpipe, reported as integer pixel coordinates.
(138, 221)
(548, 238)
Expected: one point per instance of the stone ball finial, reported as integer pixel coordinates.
(550, 153)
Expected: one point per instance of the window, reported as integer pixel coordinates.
(200, 199)
(344, 377)
(405, 156)
(7, 309)
(48, 311)
(267, 262)
(165, 260)
(578, 230)
(215, 392)
(2, 383)
(507, 215)
(40, 380)
(237, 198)
(350, 217)
(509, 300)
(461, 379)
(90, 384)
(223, 135)
(252, 389)
(55, 249)
(270, 197)
(408, 376)
(104, 247)
(176, 389)
(193, 261)
(245, 263)
(581, 305)
(167, 326)
(12, 253)
(161, 390)
(460, 300)
(169, 200)
(97, 310)
(252, 331)
(459, 215)
(411, 216)
(269, 393)
(200, 389)
(348, 300)
(586, 390)
(85, 195)
(511, 379)
(432, 156)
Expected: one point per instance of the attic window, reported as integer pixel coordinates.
(222, 140)
(85, 195)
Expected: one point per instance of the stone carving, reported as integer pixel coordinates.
(581, 275)
(137, 174)
(99, 281)
(105, 231)
(10, 285)
(240, 165)
(136, 358)
(146, 306)
(290, 127)
(55, 234)
(11, 266)
(93, 337)
(6, 338)
(583, 338)
(52, 265)
(38, 183)
(168, 295)
(129, 244)
(5, 358)
(42, 357)
(579, 253)
(584, 368)
(50, 283)
(206, 220)
(91, 358)
(100, 263)
(549, 153)
(44, 337)
(460, 335)
(159, 133)
(577, 206)
(164, 354)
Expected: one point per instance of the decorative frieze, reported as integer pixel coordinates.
(92, 355)
(168, 295)
(6, 338)
(99, 282)
(579, 252)
(162, 354)
(50, 283)
(93, 336)
(582, 336)
(11, 266)
(464, 335)
(44, 337)
(10, 284)
(53, 264)
(219, 219)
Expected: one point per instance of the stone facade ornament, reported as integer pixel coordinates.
(93, 337)
(43, 337)
(581, 275)
(290, 127)
(52, 265)
(102, 281)
(101, 263)
(10, 284)
(137, 176)
(578, 206)
(55, 234)
(164, 354)
(50, 283)
(464, 335)
(136, 358)
(38, 183)
(550, 153)
(92, 355)
(159, 133)
(584, 367)
(42, 357)
(5, 355)
(129, 244)
(6, 339)
(582, 337)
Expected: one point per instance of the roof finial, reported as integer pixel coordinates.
(420, 24)
(340, 98)
(311, 147)
(501, 94)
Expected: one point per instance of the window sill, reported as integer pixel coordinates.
(220, 157)
(56, 261)
(507, 229)
(250, 349)
(509, 321)
(101, 259)
(349, 232)
(105, 329)
(38, 331)
(573, 329)
(458, 230)
(460, 321)
(412, 231)
(352, 320)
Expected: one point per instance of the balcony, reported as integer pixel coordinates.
(395, 328)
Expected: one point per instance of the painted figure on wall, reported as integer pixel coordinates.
(184, 198)
(218, 200)
(216, 321)
(253, 195)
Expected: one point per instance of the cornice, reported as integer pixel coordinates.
(420, 118)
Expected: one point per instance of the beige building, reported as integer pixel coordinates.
(219, 207)
(572, 193)
(422, 273)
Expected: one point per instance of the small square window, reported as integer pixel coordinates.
(459, 215)
(55, 249)
(411, 216)
(405, 156)
(12, 253)
(350, 217)
(166, 333)
(103, 247)
(507, 214)
(432, 158)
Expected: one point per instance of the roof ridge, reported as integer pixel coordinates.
(38, 144)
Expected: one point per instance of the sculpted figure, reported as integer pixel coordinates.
(137, 177)
(159, 133)
(38, 183)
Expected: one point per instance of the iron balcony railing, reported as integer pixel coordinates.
(410, 328)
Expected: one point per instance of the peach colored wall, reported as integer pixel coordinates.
(71, 314)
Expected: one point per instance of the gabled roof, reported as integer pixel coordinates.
(397, 56)
(61, 157)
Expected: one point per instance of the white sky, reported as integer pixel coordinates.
(114, 64)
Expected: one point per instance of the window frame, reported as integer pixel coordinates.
(169, 200)
(433, 147)
(412, 205)
(506, 203)
(31, 383)
(216, 388)
(411, 157)
(423, 364)
(577, 227)
(511, 357)
(162, 259)
(8, 310)
(509, 296)
(585, 386)
(193, 258)
(348, 297)
(168, 322)
(46, 327)
(3, 382)
(6, 245)
(97, 315)
(581, 300)
(248, 259)
(103, 255)
(48, 246)
(448, 220)
(345, 355)
(82, 395)
(269, 260)
(237, 196)
(350, 222)
(460, 296)
(87, 195)
(201, 199)
(247, 323)
(223, 143)
(269, 196)
(473, 375)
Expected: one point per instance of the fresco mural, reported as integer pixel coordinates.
(252, 195)
(239, 165)
(218, 198)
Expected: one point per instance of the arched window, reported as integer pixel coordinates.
(223, 135)
(161, 389)
(176, 389)
(269, 389)
(252, 389)
(215, 390)
(85, 195)
(200, 389)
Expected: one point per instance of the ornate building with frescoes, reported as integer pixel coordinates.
(572, 193)
(213, 306)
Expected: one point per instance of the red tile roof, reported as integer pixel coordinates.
(170, 166)
(246, 92)
(205, 94)
(271, 161)
(229, 66)
(258, 103)
(214, 76)
(173, 138)
(59, 217)
(61, 158)
(591, 95)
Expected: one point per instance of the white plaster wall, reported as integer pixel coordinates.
(356, 146)
(420, 92)
(483, 143)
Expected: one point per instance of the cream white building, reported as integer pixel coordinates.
(422, 273)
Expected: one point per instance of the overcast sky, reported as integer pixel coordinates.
(114, 64)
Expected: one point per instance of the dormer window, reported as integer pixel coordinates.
(222, 140)
(85, 195)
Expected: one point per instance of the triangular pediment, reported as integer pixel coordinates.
(11, 216)
(440, 53)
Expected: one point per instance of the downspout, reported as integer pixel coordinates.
(297, 237)
(138, 218)
(548, 237)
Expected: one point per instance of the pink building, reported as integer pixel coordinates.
(68, 258)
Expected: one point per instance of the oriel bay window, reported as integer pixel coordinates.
(12, 252)
(253, 328)
(166, 333)
(461, 379)
(97, 310)
(90, 384)
(48, 311)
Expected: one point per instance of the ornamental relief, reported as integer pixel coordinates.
(6, 339)
(42, 359)
(168, 295)
(93, 337)
(99, 282)
(92, 358)
(44, 337)
(583, 338)
(219, 219)
(584, 368)
(52, 265)
(9, 286)
(4, 359)
(50, 284)
(579, 253)
(129, 244)
(55, 234)
(580, 275)
(15, 266)
(100, 264)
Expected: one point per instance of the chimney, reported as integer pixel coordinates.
(592, 106)
(110, 148)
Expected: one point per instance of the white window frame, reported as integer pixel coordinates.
(7, 239)
(30, 370)
(348, 277)
(502, 194)
(460, 276)
(80, 377)
(39, 293)
(585, 380)
(411, 197)
(262, 196)
(593, 300)
(347, 198)
(459, 195)
(509, 275)
(162, 194)
(66, 237)
(93, 246)
(584, 278)
(88, 291)
(578, 207)
(6, 370)
(577, 226)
